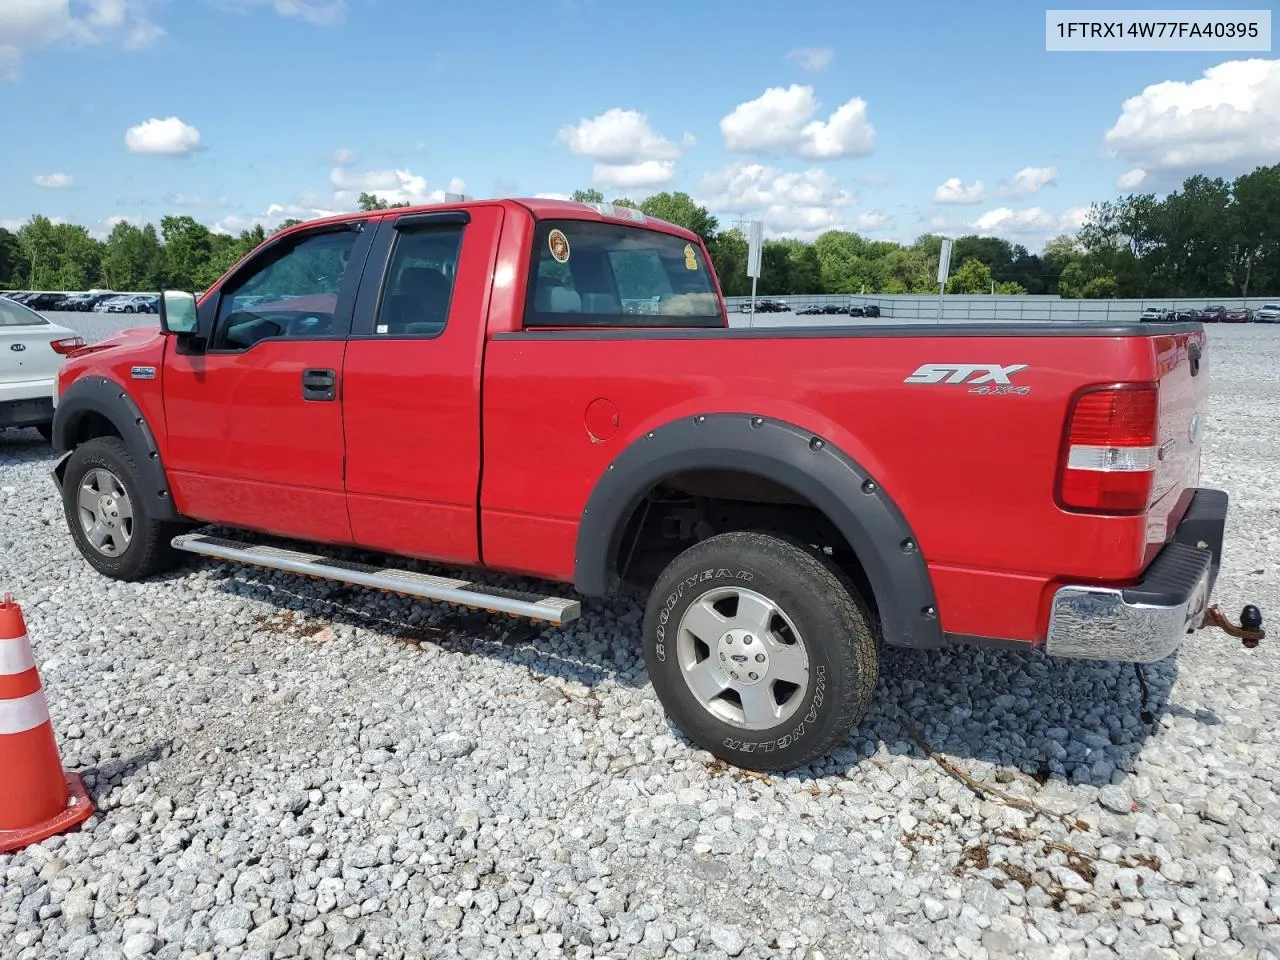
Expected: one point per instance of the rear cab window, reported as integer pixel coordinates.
(15, 315)
(589, 274)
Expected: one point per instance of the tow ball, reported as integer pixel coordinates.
(1249, 632)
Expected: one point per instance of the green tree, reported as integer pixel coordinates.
(132, 258)
(40, 253)
(587, 196)
(972, 277)
(729, 258)
(188, 248)
(679, 208)
(626, 202)
(13, 274)
(369, 202)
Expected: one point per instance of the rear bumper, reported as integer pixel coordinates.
(1146, 621)
(25, 413)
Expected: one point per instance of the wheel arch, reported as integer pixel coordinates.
(95, 406)
(783, 453)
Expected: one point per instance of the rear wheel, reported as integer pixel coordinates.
(759, 651)
(109, 519)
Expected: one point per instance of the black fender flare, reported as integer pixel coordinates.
(787, 454)
(105, 397)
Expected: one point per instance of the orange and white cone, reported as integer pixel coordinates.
(37, 799)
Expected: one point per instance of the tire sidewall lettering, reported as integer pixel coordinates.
(674, 598)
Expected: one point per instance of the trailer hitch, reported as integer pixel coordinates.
(1249, 632)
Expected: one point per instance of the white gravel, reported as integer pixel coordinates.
(285, 768)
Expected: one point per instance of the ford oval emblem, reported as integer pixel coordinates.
(17, 347)
(1195, 427)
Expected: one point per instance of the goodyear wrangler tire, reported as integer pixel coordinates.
(759, 651)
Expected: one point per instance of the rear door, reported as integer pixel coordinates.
(411, 384)
(254, 421)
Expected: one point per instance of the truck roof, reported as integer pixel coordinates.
(542, 208)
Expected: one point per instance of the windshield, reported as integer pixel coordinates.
(604, 274)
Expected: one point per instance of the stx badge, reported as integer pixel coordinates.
(971, 373)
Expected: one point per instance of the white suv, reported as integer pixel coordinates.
(31, 351)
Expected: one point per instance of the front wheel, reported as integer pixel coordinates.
(759, 651)
(108, 517)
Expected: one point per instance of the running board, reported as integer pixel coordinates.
(495, 599)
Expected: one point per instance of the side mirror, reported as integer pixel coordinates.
(178, 313)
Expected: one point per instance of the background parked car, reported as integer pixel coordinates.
(1268, 313)
(133, 303)
(1238, 315)
(870, 310)
(31, 351)
(1212, 314)
(45, 301)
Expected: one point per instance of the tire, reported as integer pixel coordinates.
(816, 622)
(128, 309)
(141, 544)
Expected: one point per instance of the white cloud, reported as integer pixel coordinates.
(799, 204)
(1005, 221)
(325, 13)
(617, 136)
(342, 157)
(953, 190)
(553, 196)
(393, 186)
(270, 220)
(31, 24)
(170, 137)
(1028, 181)
(183, 200)
(54, 181)
(813, 59)
(1131, 179)
(628, 176)
(870, 221)
(102, 229)
(780, 119)
(1228, 119)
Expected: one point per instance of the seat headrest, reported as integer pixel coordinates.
(552, 298)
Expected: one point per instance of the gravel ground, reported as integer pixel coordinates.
(285, 768)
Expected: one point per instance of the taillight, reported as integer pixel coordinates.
(1109, 459)
(66, 345)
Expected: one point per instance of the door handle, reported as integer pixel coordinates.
(319, 385)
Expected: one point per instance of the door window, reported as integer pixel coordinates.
(419, 283)
(291, 294)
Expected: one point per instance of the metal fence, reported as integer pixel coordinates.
(915, 308)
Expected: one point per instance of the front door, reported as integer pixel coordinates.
(254, 420)
(411, 384)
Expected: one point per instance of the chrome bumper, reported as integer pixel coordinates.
(1146, 621)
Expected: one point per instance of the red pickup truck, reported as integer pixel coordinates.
(553, 389)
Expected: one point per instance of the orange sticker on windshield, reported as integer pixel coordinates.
(690, 261)
(559, 245)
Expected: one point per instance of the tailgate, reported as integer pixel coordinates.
(1183, 364)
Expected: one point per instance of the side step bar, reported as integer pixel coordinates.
(550, 609)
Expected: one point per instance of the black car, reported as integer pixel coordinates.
(870, 310)
(1212, 315)
(45, 301)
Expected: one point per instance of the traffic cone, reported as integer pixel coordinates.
(37, 799)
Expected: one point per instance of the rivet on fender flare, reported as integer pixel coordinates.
(868, 486)
(699, 419)
(757, 422)
(816, 444)
(929, 612)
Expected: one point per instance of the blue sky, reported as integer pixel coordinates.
(891, 119)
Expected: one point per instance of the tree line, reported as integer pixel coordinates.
(1210, 238)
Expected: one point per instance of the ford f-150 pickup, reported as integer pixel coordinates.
(553, 389)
